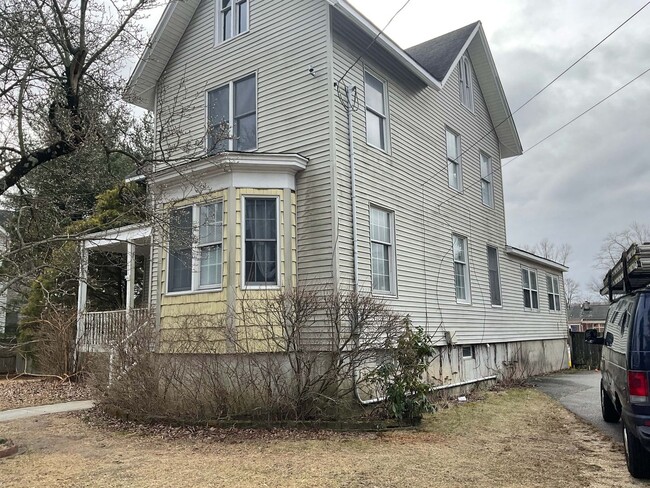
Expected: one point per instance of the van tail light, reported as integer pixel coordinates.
(637, 382)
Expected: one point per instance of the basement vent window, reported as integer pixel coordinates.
(468, 352)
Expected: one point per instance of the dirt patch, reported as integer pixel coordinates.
(18, 393)
(512, 438)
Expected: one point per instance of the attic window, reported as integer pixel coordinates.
(465, 81)
(232, 18)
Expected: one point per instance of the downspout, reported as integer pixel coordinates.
(355, 247)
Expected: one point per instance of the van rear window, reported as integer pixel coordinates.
(641, 340)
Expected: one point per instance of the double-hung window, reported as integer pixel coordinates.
(232, 117)
(261, 263)
(529, 286)
(382, 250)
(195, 248)
(487, 189)
(453, 160)
(465, 81)
(493, 275)
(376, 126)
(232, 18)
(553, 292)
(461, 269)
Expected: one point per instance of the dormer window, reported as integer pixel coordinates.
(232, 18)
(465, 81)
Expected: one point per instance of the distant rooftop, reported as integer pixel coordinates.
(596, 312)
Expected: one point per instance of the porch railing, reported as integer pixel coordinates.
(101, 329)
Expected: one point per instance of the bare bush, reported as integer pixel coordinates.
(54, 342)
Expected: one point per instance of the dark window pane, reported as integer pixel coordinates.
(261, 241)
(246, 133)
(527, 298)
(245, 96)
(243, 17)
(218, 120)
(226, 26)
(180, 250)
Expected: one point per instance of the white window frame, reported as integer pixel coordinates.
(553, 293)
(196, 253)
(530, 289)
(458, 161)
(278, 245)
(466, 83)
(231, 114)
(382, 116)
(466, 274)
(496, 249)
(392, 259)
(472, 353)
(487, 179)
(234, 20)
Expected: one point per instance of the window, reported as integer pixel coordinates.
(375, 112)
(453, 160)
(261, 242)
(461, 269)
(382, 250)
(232, 18)
(493, 272)
(240, 116)
(195, 247)
(468, 352)
(487, 190)
(529, 285)
(465, 81)
(553, 291)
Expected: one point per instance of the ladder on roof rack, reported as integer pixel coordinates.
(630, 273)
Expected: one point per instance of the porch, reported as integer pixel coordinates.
(115, 304)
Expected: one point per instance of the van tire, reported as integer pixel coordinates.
(608, 408)
(636, 456)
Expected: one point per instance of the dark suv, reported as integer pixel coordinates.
(625, 369)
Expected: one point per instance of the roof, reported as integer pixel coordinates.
(439, 55)
(534, 258)
(432, 62)
(589, 312)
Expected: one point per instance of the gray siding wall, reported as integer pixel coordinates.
(411, 180)
(293, 107)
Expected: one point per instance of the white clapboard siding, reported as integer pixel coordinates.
(417, 118)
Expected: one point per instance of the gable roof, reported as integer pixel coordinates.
(432, 62)
(589, 312)
(438, 55)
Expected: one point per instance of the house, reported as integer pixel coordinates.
(588, 316)
(300, 146)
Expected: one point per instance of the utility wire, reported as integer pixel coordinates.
(541, 90)
(365, 51)
(559, 129)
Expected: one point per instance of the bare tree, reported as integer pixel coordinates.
(60, 82)
(616, 242)
(572, 292)
(549, 250)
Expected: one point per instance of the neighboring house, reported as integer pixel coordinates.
(407, 206)
(588, 316)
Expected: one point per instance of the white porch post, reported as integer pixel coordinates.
(130, 277)
(81, 297)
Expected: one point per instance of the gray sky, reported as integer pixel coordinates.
(593, 177)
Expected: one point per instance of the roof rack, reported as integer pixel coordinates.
(630, 273)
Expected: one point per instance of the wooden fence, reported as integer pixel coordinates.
(583, 355)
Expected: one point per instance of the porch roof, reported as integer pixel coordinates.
(116, 240)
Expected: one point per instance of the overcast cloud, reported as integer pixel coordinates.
(593, 177)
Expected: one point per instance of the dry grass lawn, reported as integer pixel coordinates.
(513, 438)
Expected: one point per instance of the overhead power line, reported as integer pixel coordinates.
(595, 46)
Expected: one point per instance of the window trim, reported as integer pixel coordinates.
(196, 265)
(231, 114)
(392, 254)
(489, 178)
(498, 275)
(550, 293)
(278, 250)
(218, 41)
(385, 115)
(465, 240)
(458, 160)
(530, 290)
(462, 82)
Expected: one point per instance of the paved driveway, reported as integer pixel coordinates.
(580, 393)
